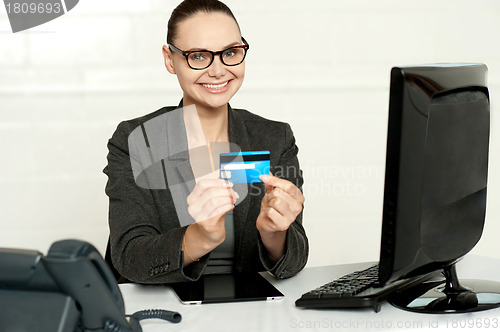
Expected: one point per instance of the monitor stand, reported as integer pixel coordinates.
(448, 296)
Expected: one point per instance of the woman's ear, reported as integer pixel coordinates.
(167, 56)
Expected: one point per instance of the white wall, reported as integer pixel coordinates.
(322, 65)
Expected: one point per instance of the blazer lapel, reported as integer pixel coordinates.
(238, 136)
(178, 168)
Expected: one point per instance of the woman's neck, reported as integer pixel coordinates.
(214, 122)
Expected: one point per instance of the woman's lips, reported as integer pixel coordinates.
(215, 88)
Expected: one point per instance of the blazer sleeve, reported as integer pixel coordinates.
(297, 245)
(146, 247)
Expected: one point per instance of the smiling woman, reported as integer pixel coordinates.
(214, 80)
(171, 217)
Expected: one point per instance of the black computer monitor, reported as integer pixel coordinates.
(435, 183)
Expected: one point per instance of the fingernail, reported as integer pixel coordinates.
(265, 178)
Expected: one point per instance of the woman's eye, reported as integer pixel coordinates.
(199, 56)
(229, 53)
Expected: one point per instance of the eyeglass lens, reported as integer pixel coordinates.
(229, 57)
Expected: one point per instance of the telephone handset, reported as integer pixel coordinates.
(75, 280)
(81, 272)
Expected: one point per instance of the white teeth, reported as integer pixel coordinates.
(215, 87)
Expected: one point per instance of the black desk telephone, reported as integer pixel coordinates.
(69, 289)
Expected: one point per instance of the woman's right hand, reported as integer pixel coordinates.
(208, 204)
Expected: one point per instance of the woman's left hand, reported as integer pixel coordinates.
(279, 208)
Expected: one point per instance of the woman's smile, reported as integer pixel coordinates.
(216, 87)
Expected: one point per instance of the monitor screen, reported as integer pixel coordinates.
(436, 168)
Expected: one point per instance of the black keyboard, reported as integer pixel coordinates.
(359, 289)
(348, 285)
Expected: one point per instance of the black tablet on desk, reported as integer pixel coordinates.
(220, 288)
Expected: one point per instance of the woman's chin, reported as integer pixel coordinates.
(214, 102)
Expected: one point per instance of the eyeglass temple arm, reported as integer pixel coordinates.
(175, 49)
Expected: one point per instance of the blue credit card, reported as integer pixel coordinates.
(244, 167)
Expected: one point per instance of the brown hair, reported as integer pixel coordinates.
(188, 8)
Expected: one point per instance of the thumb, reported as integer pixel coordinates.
(266, 179)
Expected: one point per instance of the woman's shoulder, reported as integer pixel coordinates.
(263, 133)
(249, 117)
(135, 122)
(254, 123)
(125, 127)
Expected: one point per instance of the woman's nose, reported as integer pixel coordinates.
(217, 68)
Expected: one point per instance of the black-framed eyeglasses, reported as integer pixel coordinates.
(202, 59)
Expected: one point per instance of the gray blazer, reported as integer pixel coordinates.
(146, 231)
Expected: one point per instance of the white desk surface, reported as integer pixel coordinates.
(282, 315)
